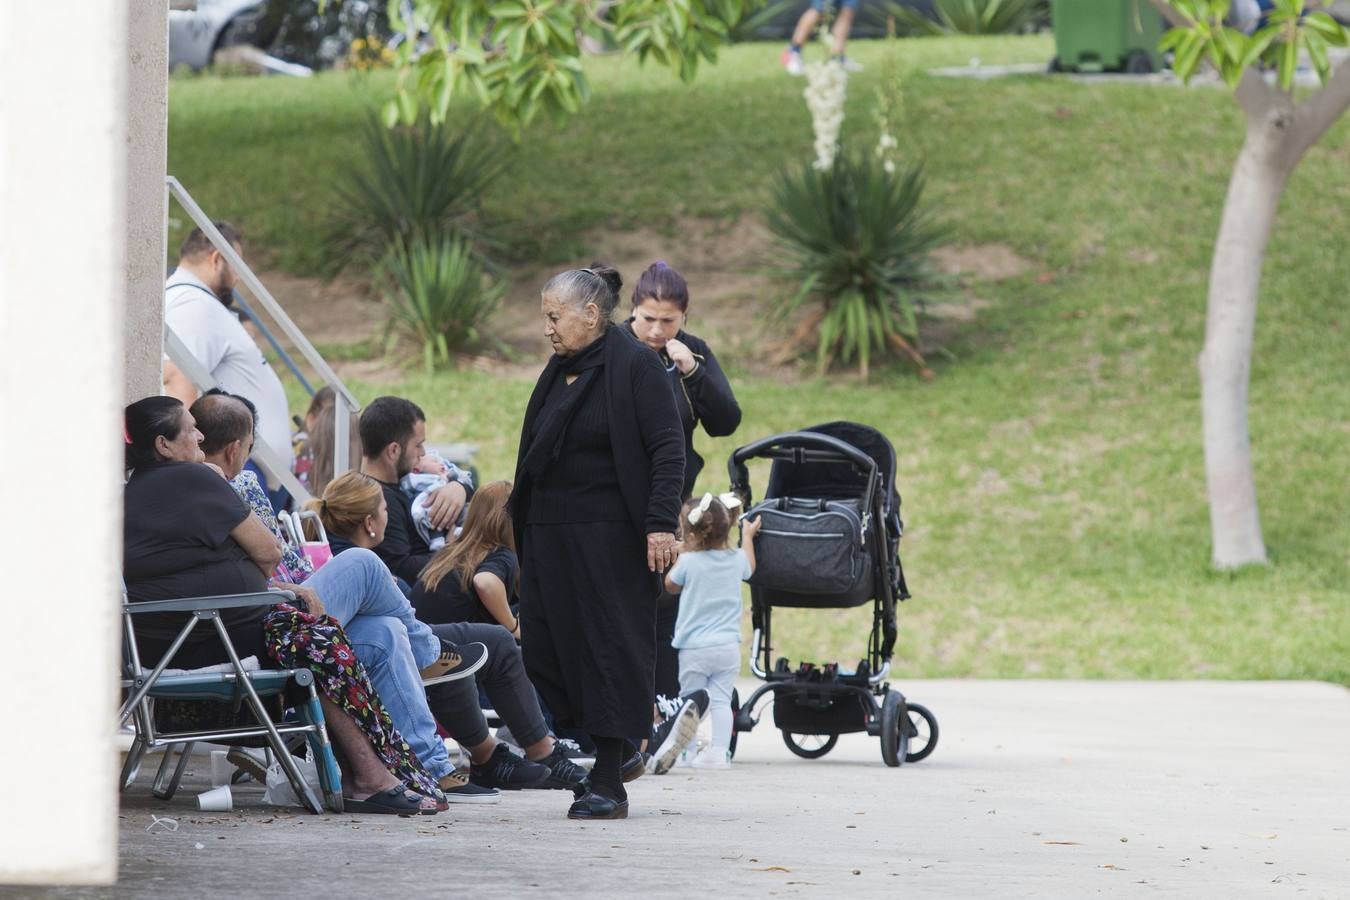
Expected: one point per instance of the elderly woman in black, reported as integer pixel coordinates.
(596, 506)
(703, 396)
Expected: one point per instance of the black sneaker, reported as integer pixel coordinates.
(572, 750)
(671, 737)
(507, 771)
(563, 773)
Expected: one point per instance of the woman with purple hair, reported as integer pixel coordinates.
(703, 396)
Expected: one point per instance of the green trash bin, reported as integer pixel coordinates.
(1106, 36)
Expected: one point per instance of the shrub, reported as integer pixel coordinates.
(439, 295)
(860, 238)
(415, 182)
(973, 16)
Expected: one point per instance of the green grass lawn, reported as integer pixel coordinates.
(1052, 475)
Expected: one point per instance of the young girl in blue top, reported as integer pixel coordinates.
(708, 577)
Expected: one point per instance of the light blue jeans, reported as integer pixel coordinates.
(358, 591)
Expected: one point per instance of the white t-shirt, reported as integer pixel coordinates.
(214, 336)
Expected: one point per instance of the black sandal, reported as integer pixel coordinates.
(393, 802)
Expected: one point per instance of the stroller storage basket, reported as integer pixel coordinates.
(801, 712)
(812, 553)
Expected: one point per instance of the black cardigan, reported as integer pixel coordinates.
(644, 431)
(710, 400)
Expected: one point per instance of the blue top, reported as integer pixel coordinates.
(710, 597)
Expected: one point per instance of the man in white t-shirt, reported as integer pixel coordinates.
(197, 297)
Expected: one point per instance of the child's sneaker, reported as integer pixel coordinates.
(791, 58)
(712, 758)
(848, 63)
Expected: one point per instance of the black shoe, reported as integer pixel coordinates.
(563, 773)
(508, 772)
(701, 700)
(634, 767)
(597, 806)
(671, 737)
(456, 661)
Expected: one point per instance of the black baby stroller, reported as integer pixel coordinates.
(830, 539)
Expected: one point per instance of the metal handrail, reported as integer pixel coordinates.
(345, 402)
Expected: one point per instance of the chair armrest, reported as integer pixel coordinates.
(198, 604)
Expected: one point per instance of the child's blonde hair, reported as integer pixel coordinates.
(712, 531)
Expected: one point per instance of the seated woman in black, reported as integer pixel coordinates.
(186, 533)
(475, 578)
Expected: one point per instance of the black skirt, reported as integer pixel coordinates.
(588, 625)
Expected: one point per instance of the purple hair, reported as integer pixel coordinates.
(661, 282)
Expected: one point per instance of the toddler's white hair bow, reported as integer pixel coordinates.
(729, 500)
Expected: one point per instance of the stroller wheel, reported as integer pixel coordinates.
(924, 736)
(894, 734)
(735, 711)
(810, 746)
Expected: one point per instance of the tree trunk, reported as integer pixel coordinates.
(1254, 191)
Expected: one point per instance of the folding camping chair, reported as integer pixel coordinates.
(232, 684)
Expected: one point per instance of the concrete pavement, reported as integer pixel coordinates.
(1037, 788)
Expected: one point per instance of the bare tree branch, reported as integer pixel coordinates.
(1319, 112)
(1254, 94)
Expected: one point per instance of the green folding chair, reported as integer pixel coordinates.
(239, 688)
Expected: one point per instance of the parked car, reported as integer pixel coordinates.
(196, 35)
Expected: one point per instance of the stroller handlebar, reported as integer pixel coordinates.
(796, 447)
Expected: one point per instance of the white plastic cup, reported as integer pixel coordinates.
(222, 770)
(218, 799)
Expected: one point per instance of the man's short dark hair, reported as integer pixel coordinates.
(388, 420)
(223, 419)
(197, 243)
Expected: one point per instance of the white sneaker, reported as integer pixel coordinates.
(849, 63)
(712, 758)
(792, 61)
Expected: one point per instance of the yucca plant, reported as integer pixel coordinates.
(439, 295)
(971, 16)
(860, 237)
(420, 181)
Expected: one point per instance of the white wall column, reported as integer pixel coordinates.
(63, 270)
(147, 129)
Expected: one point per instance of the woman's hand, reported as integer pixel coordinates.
(662, 551)
(308, 596)
(681, 356)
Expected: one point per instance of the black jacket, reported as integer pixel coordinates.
(704, 395)
(644, 431)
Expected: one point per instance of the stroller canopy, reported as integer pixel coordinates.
(835, 481)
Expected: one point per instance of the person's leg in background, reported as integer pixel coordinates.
(791, 57)
(843, 24)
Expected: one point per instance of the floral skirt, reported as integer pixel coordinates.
(298, 640)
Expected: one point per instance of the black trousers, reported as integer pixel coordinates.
(455, 704)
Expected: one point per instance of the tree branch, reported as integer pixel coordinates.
(1254, 95)
(1319, 112)
(1174, 18)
